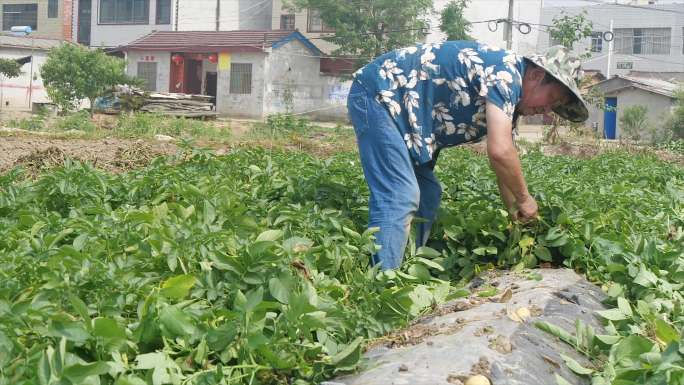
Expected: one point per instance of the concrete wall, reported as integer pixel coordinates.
(20, 93)
(242, 105)
(293, 70)
(163, 60)
(301, 23)
(200, 15)
(523, 10)
(626, 17)
(47, 27)
(114, 35)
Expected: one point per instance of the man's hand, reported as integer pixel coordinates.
(527, 210)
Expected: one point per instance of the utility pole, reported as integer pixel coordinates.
(175, 22)
(218, 15)
(610, 50)
(508, 32)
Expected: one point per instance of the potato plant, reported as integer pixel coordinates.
(252, 268)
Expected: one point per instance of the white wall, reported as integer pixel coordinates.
(163, 60)
(242, 105)
(14, 93)
(292, 68)
(200, 15)
(659, 107)
(114, 35)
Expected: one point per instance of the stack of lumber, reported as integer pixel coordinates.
(173, 104)
(179, 104)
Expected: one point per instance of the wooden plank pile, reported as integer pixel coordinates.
(174, 104)
(171, 104)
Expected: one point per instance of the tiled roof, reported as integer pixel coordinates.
(657, 86)
(9, 41)
(204, 41)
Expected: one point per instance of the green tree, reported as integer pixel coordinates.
(634, 121)
(369, 28)
(73, 73)
(9, 68)
(567, 30)
(453, 23)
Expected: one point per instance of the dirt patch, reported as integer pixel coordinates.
(574, 150)
(116, 155)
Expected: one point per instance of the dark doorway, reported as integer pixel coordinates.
(84, 12)
(193, 76)
(211, 85)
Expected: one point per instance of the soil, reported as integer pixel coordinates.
(116, 155)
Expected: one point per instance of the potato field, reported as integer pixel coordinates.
(253, 267)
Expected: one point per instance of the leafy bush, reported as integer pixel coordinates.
(32, 123)
(633, 122)
(287, 123)
(73, 73)
(9, 68)
(675, 123)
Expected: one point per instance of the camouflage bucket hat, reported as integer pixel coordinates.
(560, 63)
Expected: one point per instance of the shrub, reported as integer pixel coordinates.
(76, 121)
(675, 124)
(633, 121)
(74, 73)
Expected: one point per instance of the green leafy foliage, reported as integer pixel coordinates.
(247, 268)
(9, 68)
(453, 23)
(566, 30)
(73, 73)
(370, 28)
(634, 121)
(675, 123)
(252, 268)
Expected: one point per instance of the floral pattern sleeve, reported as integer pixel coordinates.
(437, 93)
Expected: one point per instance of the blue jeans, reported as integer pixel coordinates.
(399, 191)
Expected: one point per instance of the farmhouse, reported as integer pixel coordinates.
(249, 73)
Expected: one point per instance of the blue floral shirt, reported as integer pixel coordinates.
(437, 93)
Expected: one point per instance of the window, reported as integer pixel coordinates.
(287, 22)
(315, 23)
(597, 41)
(163, 12)
(14, 15)
(643, 41)
(241, 78)
(124, 11)
(53, 8)
(147, 71)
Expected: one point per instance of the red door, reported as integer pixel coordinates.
(177, 78)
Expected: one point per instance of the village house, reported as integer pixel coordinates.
(642, 58)
(112, 23)
(25, 92)
(250, 73)
(645, 38)
(622, 92)
(51, 19)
